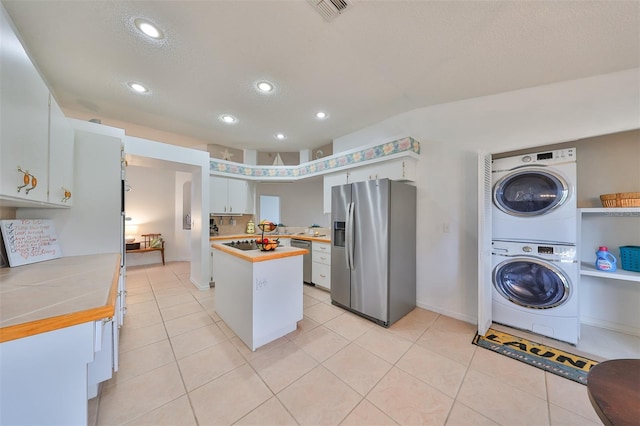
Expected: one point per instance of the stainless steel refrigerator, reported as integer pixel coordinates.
(373, 253)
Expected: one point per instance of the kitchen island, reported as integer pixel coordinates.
(259, 293)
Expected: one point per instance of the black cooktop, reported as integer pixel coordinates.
(243, 245)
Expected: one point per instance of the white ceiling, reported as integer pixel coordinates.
(378, 59)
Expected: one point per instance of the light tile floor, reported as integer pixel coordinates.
(181, 365)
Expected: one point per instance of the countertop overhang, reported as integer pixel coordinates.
(259, 255)
(58, 293)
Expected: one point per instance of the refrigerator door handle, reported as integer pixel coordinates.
(349, 236)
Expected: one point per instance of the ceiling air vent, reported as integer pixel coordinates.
(329, 9)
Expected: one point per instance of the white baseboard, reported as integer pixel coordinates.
(199, 286)
(455, 315)
(607, 325)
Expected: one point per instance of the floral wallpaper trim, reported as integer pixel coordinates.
(336, 161)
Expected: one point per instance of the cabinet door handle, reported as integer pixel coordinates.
(323, 276)
(26, 178)
(67, 195)
(34, 183)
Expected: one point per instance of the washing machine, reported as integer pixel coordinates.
(535, 288)
(534, 197)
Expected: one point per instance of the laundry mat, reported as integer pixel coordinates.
(556, 361)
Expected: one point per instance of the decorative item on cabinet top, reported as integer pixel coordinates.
(326, 164)
(621, 199)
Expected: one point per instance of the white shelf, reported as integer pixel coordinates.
(620, 274)
(611, 211)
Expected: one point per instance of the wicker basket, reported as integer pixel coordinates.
(621, 199)
(630, 258)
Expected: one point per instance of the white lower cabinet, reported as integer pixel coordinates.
(105, 348)
(212, 256)
(44, 377)
(211, 280)
(321, 264)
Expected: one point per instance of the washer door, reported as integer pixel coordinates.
(531, 283)
(530, 192)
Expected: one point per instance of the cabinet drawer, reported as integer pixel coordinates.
(321, 257)
(321, 247)
(321, 275)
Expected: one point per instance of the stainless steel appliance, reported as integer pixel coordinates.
(373, 258)
(306, 259)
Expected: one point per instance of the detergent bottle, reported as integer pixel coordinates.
(605, 261)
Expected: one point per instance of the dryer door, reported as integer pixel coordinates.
(531, 283)
(530, 192)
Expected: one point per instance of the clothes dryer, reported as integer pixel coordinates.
(534, 197)
(535, 288)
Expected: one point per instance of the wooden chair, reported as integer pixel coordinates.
(147, 247)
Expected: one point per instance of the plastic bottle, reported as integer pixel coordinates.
(605, 261)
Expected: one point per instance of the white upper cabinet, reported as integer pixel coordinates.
(239, 196)
(218, 199)
(231, 196)
(24, 121)
(61, 157)
(402, 169)
(36, 140)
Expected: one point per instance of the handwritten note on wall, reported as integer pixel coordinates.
(29, 241)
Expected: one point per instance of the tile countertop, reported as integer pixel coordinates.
(307, 237)
(57, 293)
(259, 255)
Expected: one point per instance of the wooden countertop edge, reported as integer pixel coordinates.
(31, 328)
(271, 255)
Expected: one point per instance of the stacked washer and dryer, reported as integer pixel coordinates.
(535, 268)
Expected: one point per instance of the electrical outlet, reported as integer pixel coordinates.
(260, 284)
(446, 227)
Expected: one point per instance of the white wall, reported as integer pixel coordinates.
(301, 203)
(451, 135)
(151, 205)
(182, 242)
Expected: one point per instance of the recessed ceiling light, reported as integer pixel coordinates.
(148, 28)
(321, 115)
(264, 86)
(280, 136)
(228, 118)
(137, 87)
